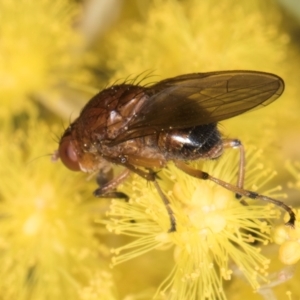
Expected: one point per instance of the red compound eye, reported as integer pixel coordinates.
(68, 154)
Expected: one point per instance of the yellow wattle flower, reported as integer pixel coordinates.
(48, 247)
(216, 236)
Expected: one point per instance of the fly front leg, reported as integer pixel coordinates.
(240, 191)
(107, 186)
(107, 190)
(104, 176)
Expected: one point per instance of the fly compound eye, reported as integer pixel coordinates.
(68, 154)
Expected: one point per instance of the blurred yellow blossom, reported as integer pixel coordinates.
(47, 244)
(177, 37)
(289, 238)
(39, 49)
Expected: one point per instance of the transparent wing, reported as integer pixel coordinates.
(202, 98)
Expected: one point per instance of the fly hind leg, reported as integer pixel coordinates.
(234, 144)
(237, 190)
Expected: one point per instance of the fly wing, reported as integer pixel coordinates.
(202, 98)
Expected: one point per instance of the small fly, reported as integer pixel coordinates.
(144, 127)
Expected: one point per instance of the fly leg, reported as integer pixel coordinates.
(106, 189)
(168, 207)
(104, 176)
(151, 176)
(233, 144)
(238, 190)
(107, 185)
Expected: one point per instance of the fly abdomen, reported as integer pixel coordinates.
(191, 143)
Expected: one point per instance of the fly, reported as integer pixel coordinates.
(144, 127)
